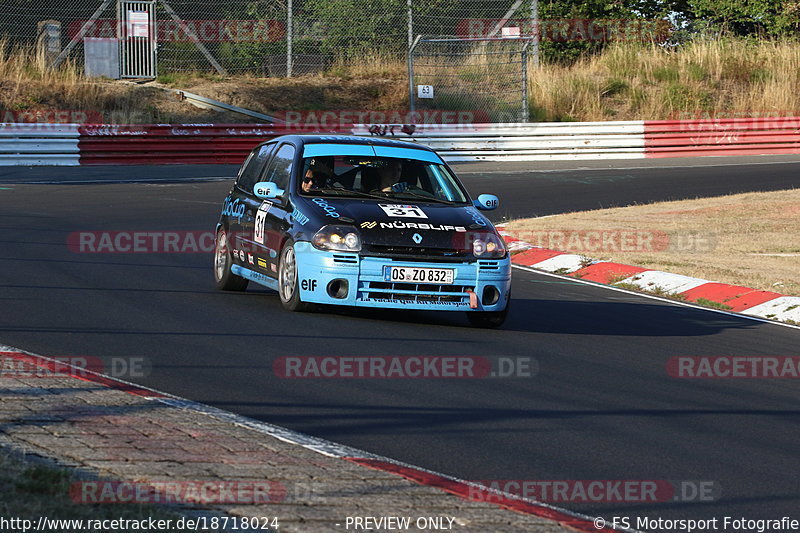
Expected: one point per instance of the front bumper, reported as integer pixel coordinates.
(322, 276)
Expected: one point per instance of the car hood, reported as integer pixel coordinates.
(403, 224)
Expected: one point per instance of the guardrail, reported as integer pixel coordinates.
(70, 144)
(39, 144)
(171, 144)
(735, 136)
(531, 141)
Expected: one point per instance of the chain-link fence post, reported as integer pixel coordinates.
(289, 38)
(411, 49)
(524, 54)
(535, 30)
(410, 24)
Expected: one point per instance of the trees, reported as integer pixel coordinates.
(750, 17)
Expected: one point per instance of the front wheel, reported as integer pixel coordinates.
(288, 288)
(224, 278)
(488, 319)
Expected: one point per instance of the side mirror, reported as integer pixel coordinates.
(267, 190)
(486, 202)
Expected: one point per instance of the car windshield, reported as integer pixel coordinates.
(379, 177)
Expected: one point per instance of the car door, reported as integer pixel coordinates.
(258, 235)
(245, 205)
(271, 217)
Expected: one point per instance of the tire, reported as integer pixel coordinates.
(288, 288)
(489, 319)
(225, 279)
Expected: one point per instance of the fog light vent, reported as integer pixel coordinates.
(338, 288)
(490, 295)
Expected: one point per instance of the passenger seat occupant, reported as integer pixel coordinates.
(391, 177)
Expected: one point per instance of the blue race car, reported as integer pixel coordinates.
(362, 222)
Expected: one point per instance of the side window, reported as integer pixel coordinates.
(252, 168)
(280, 168)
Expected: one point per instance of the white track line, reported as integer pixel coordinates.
(621, 168)
(658, 298)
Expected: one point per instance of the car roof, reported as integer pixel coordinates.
(302, 140)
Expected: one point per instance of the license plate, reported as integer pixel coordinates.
(443, 276)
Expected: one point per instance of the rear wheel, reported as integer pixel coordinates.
(488, 319)
(288, 286)
(224, 278)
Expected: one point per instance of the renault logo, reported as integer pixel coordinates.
(417, 238)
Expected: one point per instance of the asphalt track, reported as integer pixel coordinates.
(601, 407)
(554, 187)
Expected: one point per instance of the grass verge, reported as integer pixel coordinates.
(744, 239)
(31, 490)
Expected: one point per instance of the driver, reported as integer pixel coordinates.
(313, 181)
(323, 164)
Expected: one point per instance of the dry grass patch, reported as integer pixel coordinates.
(744, 239)
(627, 81)
(630, 81)
(307, 93)
(27, 86)
(30, 491)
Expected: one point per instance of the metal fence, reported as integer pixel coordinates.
(485, 77)
(260, 37)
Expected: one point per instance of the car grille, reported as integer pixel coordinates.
(411, 253)
(415, 292)
(345, 259)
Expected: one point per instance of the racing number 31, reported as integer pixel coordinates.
(408, 211)
(261, 222)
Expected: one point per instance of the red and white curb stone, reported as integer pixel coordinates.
(744, 300)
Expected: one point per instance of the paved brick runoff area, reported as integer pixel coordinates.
(133, 439)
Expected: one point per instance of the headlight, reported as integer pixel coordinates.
(488, 246)
(337, 238)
